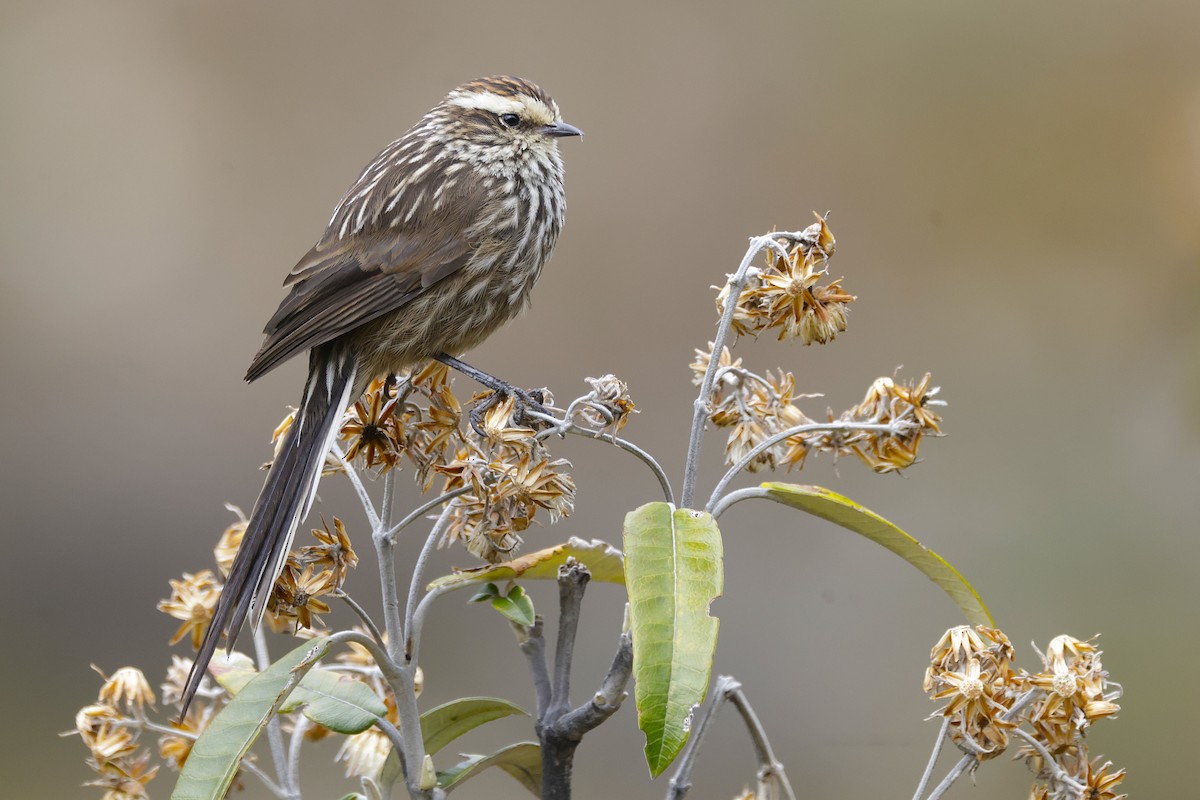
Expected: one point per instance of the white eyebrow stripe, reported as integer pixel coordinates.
(489, 101)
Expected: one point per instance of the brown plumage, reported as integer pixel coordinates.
(436, 245)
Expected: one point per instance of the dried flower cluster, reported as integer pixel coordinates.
(988, 700)
(109, 729)
(308, 575)
(510, 476)
(785, 295)
(884, 431)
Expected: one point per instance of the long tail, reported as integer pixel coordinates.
(282, 504)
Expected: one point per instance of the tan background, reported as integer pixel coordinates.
(1016, 194)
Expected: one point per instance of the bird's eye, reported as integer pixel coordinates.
(510, 120)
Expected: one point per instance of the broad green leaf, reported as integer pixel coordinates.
(215, 756)
(337, 701)
(523, 761)
(602, 560)
(673, 571)
(842, 511)
(442, 725)
(516, 605)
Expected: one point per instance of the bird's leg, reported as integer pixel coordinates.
(525, 401)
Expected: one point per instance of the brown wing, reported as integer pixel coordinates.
(344, 283)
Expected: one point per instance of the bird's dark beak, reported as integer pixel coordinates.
(560, 129)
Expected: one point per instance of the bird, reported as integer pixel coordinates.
(436, 245)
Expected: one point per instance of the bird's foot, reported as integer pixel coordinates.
(525, 405)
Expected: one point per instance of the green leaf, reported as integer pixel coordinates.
(523, 761)
(604, 561)
(673, 572)
(442, 725)
(337, 701)
(488, 591)
(516, 605)
(842, 511)
(215, 756)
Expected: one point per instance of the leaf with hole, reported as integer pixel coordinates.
(673, 572)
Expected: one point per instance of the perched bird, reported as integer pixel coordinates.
(435, 246)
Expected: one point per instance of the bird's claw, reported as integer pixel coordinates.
(525, 405)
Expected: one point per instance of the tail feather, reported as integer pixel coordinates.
(284, 501)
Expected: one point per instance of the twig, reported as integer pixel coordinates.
(274, 732)
(968, 761)
(560, 729)
(388, 588)
(933, 757)
(423, 509)
(533, 644)
(700, 407)
(299, 727)
(840, 425)
(574, 724)
(573, 578)
(769, 766)
(663, 481)
(415, 586)
(680, 782)
(359, 488)
(362, 614)
(737, 496)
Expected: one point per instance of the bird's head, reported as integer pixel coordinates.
(502, 118)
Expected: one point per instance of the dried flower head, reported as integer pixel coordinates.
(785, 295)
(1076, 689)
(508, 487)
(127, 685)
(373, 427)
(907, 409)
(608, 404)
(123, 778)
(972, 668)
(192, 600)
(332, 551)
(296, 595)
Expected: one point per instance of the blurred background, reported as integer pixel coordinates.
(1016, 195)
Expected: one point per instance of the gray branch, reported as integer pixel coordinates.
(770, 769)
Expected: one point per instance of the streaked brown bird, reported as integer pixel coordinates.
(435, 246)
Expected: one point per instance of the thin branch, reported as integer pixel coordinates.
(423, 509)
(969, 761)
(700, 407)
(840, 425)
(362, 614)
(389, 591)
(533, 644)
(412, 640)
(680, 782)
(415, 586)
(769, 765)
(933, 757)
(274, 732)
(359, 488)
(574, 724)
(573, 578)
(663, 481)
(299, 727)
(1048, 762)
(735, 497)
